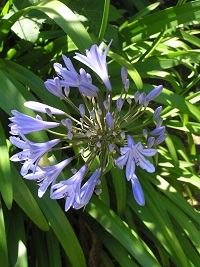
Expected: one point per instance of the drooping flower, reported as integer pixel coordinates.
(102, 128)
(137, 190)
(87, 190)
(47, 175)
(70, 188)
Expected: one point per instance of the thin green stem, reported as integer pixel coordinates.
(153, 47)
(104, 21)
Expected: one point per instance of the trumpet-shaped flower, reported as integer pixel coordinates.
(134, 155)
(26, 124)
(47, 175)
(72, 79)
(96, 60)
(70, 188)
(31, 152)
(39, 107)
(87, 190)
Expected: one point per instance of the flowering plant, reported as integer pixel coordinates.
(104, 129)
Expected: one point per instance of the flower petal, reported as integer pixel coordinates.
(137, 191)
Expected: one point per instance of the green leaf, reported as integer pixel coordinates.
(131, 70)
(16, 237)
(3, 240)
(5, 171)
(53, 249)
(62, 15)
(177, 198)
(68, 21)
(160, 21)
(111, 222)
(119, 182)
(61, 227)
(184, 222)
(26, 201)
(36, 84)
(112, 245)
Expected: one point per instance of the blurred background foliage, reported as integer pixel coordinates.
(158, 42)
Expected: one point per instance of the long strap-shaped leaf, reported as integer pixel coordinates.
(5, 172)
(114, 225)
(166, 19)
(61, 227)
(62, 15)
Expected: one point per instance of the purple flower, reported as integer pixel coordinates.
(47, 175)
(137, 190)
(39, 107)
(110, 121)
(124, 74)
(25, 124)
(31, 152)
(95, 129)
(54, 87)
(87, 190)
(160, 139)
(134, 155)
(71, 78)
(154, 93)
(158, 131)
(96, 60)
(70, 188)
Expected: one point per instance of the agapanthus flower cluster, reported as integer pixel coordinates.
(103, 128)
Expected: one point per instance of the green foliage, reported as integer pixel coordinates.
(158, 45)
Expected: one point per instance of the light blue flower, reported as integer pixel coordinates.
(40, 107)
(69, 77)
(134, 155)
(70, 188)
(137, 190)
(101, 127)
(47, 175)
(54, 87)
(87, 190)
(95, 59)
(31, 152)
(26, 124)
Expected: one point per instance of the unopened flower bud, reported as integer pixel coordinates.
(68, 124)
(160, 139)
(92, 114)
(126, 85)
(158, 131)
(124, 74)
(110, 121)
(119, 103)
(136, 96)
(157, 112)
(150, 141)
(111, 148)
(70, 135)
(159, 122)
(145, 133)
(82, 110)
(106, 104)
